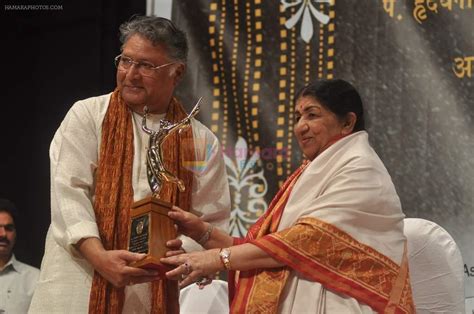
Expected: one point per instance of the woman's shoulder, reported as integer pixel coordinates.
(350, 153)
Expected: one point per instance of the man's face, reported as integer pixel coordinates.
(7, 235)
(154, 91)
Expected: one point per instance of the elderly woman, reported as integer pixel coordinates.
(332, 239)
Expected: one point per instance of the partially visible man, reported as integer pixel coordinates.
(98, 168)
(17, 279)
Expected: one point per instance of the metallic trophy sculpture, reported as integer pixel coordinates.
(150, 226)
(156, 170)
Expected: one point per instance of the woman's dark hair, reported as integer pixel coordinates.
(159, 31)
(338, 96)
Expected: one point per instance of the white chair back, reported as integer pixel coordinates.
(436, 268)
(213, 299)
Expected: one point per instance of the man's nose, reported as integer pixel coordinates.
(133, 71)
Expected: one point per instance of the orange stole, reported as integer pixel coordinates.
(323, 253)
(114, 196)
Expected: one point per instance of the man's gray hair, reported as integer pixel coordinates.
(160, 31)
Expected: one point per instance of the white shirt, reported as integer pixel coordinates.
(66, 277)
(17, 284)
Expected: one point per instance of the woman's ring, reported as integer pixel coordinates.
(203, 281)
(188, 268)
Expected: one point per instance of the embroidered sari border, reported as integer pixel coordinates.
(320, 273)
(340, 262)
(240, 301)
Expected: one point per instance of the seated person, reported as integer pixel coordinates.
(17, 279)
(332, 239)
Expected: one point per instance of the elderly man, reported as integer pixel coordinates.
(17, 279)
(98, 168)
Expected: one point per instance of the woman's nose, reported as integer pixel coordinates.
(301, 126)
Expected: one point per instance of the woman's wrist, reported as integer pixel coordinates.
(224, 255)
(202, 240)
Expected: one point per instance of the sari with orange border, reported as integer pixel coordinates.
(319, 252)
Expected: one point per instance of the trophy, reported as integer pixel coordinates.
(150, 226)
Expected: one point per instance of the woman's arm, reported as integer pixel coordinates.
(191, 267)
(192, 226)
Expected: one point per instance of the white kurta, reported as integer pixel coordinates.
(349, 187)
(66, 277)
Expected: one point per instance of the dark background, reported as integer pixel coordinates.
(51, 59)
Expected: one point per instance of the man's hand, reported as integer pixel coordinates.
(113, 264)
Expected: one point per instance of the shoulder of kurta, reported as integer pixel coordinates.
(200, 130)
(90, 111)
(95, 107)
(205, 137)
(86, 115)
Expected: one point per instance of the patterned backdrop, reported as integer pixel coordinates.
(412, 61)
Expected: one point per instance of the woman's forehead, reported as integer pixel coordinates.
(307, 102)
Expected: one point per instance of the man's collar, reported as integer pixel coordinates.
(13, 263)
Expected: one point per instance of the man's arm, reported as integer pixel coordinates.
(74, 154)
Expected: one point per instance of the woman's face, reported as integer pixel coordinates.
(316, 127)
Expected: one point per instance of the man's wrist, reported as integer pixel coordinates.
(90, 248)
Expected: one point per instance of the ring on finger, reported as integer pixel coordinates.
(188, 268)
(203, 281)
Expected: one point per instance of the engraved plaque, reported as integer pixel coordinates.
(139, 234)
(150, 229)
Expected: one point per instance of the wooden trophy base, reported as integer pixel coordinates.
(150, 229)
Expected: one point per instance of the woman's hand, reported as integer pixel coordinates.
(175, 247)
(195, 267)
(188, 224)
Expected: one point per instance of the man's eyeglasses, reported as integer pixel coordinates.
(144, 68)
(8, 227)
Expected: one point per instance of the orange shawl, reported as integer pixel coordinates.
(114, 197)
(322, 253)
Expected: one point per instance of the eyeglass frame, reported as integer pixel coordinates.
(138, 64)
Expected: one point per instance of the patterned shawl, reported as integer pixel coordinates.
(322, 253)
